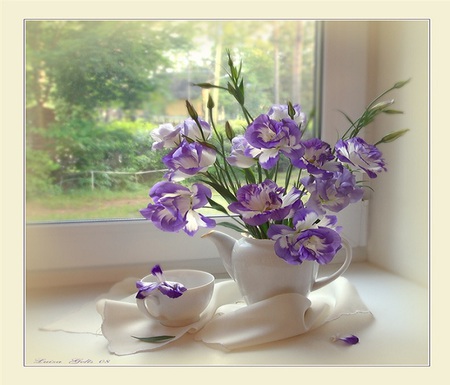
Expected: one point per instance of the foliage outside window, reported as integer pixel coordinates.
(95, 89)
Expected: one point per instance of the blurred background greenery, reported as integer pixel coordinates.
(95, 89)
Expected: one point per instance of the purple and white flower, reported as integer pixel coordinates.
(168, 288)
(281, 111)
(273, 137)
(188, 159)
(192, 131)
(334, 192)
(174, 207)
(318, 158)
(259, 203)
(307, 240)
(360, 154)
(242, 154)
(323, 176)
(166, 136)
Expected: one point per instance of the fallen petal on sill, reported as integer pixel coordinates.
(350, 340)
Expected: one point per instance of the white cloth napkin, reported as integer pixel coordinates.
(280, 317)
(123, 321)
(228, 323)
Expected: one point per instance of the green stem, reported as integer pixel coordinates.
(275, 175)
(288, 176)
(259, 173)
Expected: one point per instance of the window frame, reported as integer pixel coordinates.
(106, 250)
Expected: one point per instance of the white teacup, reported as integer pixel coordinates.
(185, 309)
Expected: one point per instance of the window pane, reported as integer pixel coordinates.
(95, 89)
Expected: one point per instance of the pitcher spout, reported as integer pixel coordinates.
(224, 244)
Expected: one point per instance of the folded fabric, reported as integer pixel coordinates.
(282, 316)
(124, 325)
(227, 323)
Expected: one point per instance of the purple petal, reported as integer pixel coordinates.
(362, 155)
(168, 288)
(320, 245)
(287, 249)
(200, 195)
(156, 270)
(195, 220)
(258, 203)
(162, 188)
(280, 112)
(189, 159)
(351, 340)
(192, 131)
(262, 132)
(171, 289)
(144, 289)
(275, 231)
(268, 158)
(163, 218)
(242, 154)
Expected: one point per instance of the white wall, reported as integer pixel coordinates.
(345, 66)
(361, 60)
(398, 209)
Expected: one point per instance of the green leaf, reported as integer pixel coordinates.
(155, 339)
(250, 177)
(240, 93)
(227, 195)
(231, 90)
(209, 145)
(240, 68)
(347, 117)
(231, 226)
(217, 206)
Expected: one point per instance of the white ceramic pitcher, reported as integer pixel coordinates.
(261, 274)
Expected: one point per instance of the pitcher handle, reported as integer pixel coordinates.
(321, 282)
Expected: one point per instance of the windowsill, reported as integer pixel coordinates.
(398, 335)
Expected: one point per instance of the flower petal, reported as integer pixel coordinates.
(350, 340)
(157, 271)
(195, 220)
(171, 289)
(144, 288)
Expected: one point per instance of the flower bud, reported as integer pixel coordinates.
(204, 85)
(401, 83)
(229, 131)
(392, 136)
(191, 110)
(382, 105)
(291, 110)
(393, 112)
(210, 104)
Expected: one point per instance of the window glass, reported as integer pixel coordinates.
(96, 89)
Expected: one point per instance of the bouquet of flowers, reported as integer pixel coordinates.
(294, 208)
